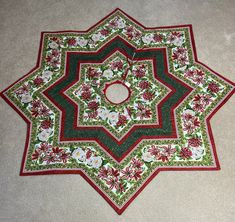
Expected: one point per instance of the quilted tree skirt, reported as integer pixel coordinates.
(117, 104)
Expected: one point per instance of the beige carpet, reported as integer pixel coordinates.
(171, 196)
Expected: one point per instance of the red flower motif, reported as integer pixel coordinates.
(144, 84)
(86, 95)
(189, 73)
(35, 155)
(139, 72)
(163, 158)
(55, 39)
(197, 98)
(50, 158)
(55, 53)
(93, 105)
(113, 24)
(148, 95)
(143, 112)
(137, 174)
(171, 38)
(88, 154)
(38, 81)
(187, 117)
(103, 173)
(114, 172)
(122, 120)
(117, 65)
(23, 89)
(36, 104)
(177, 34)
(52, 60)
(46, 124)
(154, 150)
(190, 122)
(56, 150)
(175, 56)
(194, 142)
(93, 115)
(129, 111)
(199, 107)
(181, 51)
(183, 60)
(44, 111)
(130, 29)
(198, 80)
(168, 150)
(64, 157)
(127, 173)
(35, 112)
(137, 34)
(132, 33)
(86, 87)
(180, 55)
(158, 38)
(137, 163)
(189, 127)
(200, 73)
(206, 99)
(113, 183)
(38, 109)
(72, 42)
(213, 87)
(44, 147)
(92, 73)
(104, 32)
(196, 122)
(185, 153)
(121, 188)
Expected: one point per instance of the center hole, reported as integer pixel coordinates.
(117, 93)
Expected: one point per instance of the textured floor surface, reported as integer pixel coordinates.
(171, 196)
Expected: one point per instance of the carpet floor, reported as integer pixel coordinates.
(171, 196)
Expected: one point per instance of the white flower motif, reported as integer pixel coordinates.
(189, 112)
(147, 157)
(178, 41)
(49, 130)
(53, 45)
(79, 154)
(120, 24)
(113, 117)
(103, 113)
(26, 98)
(197, 152)
(96, 162)
(44, 135)
(96, 37)
(108, 73)
(147, 39)
(46, 75)
(82, 42)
